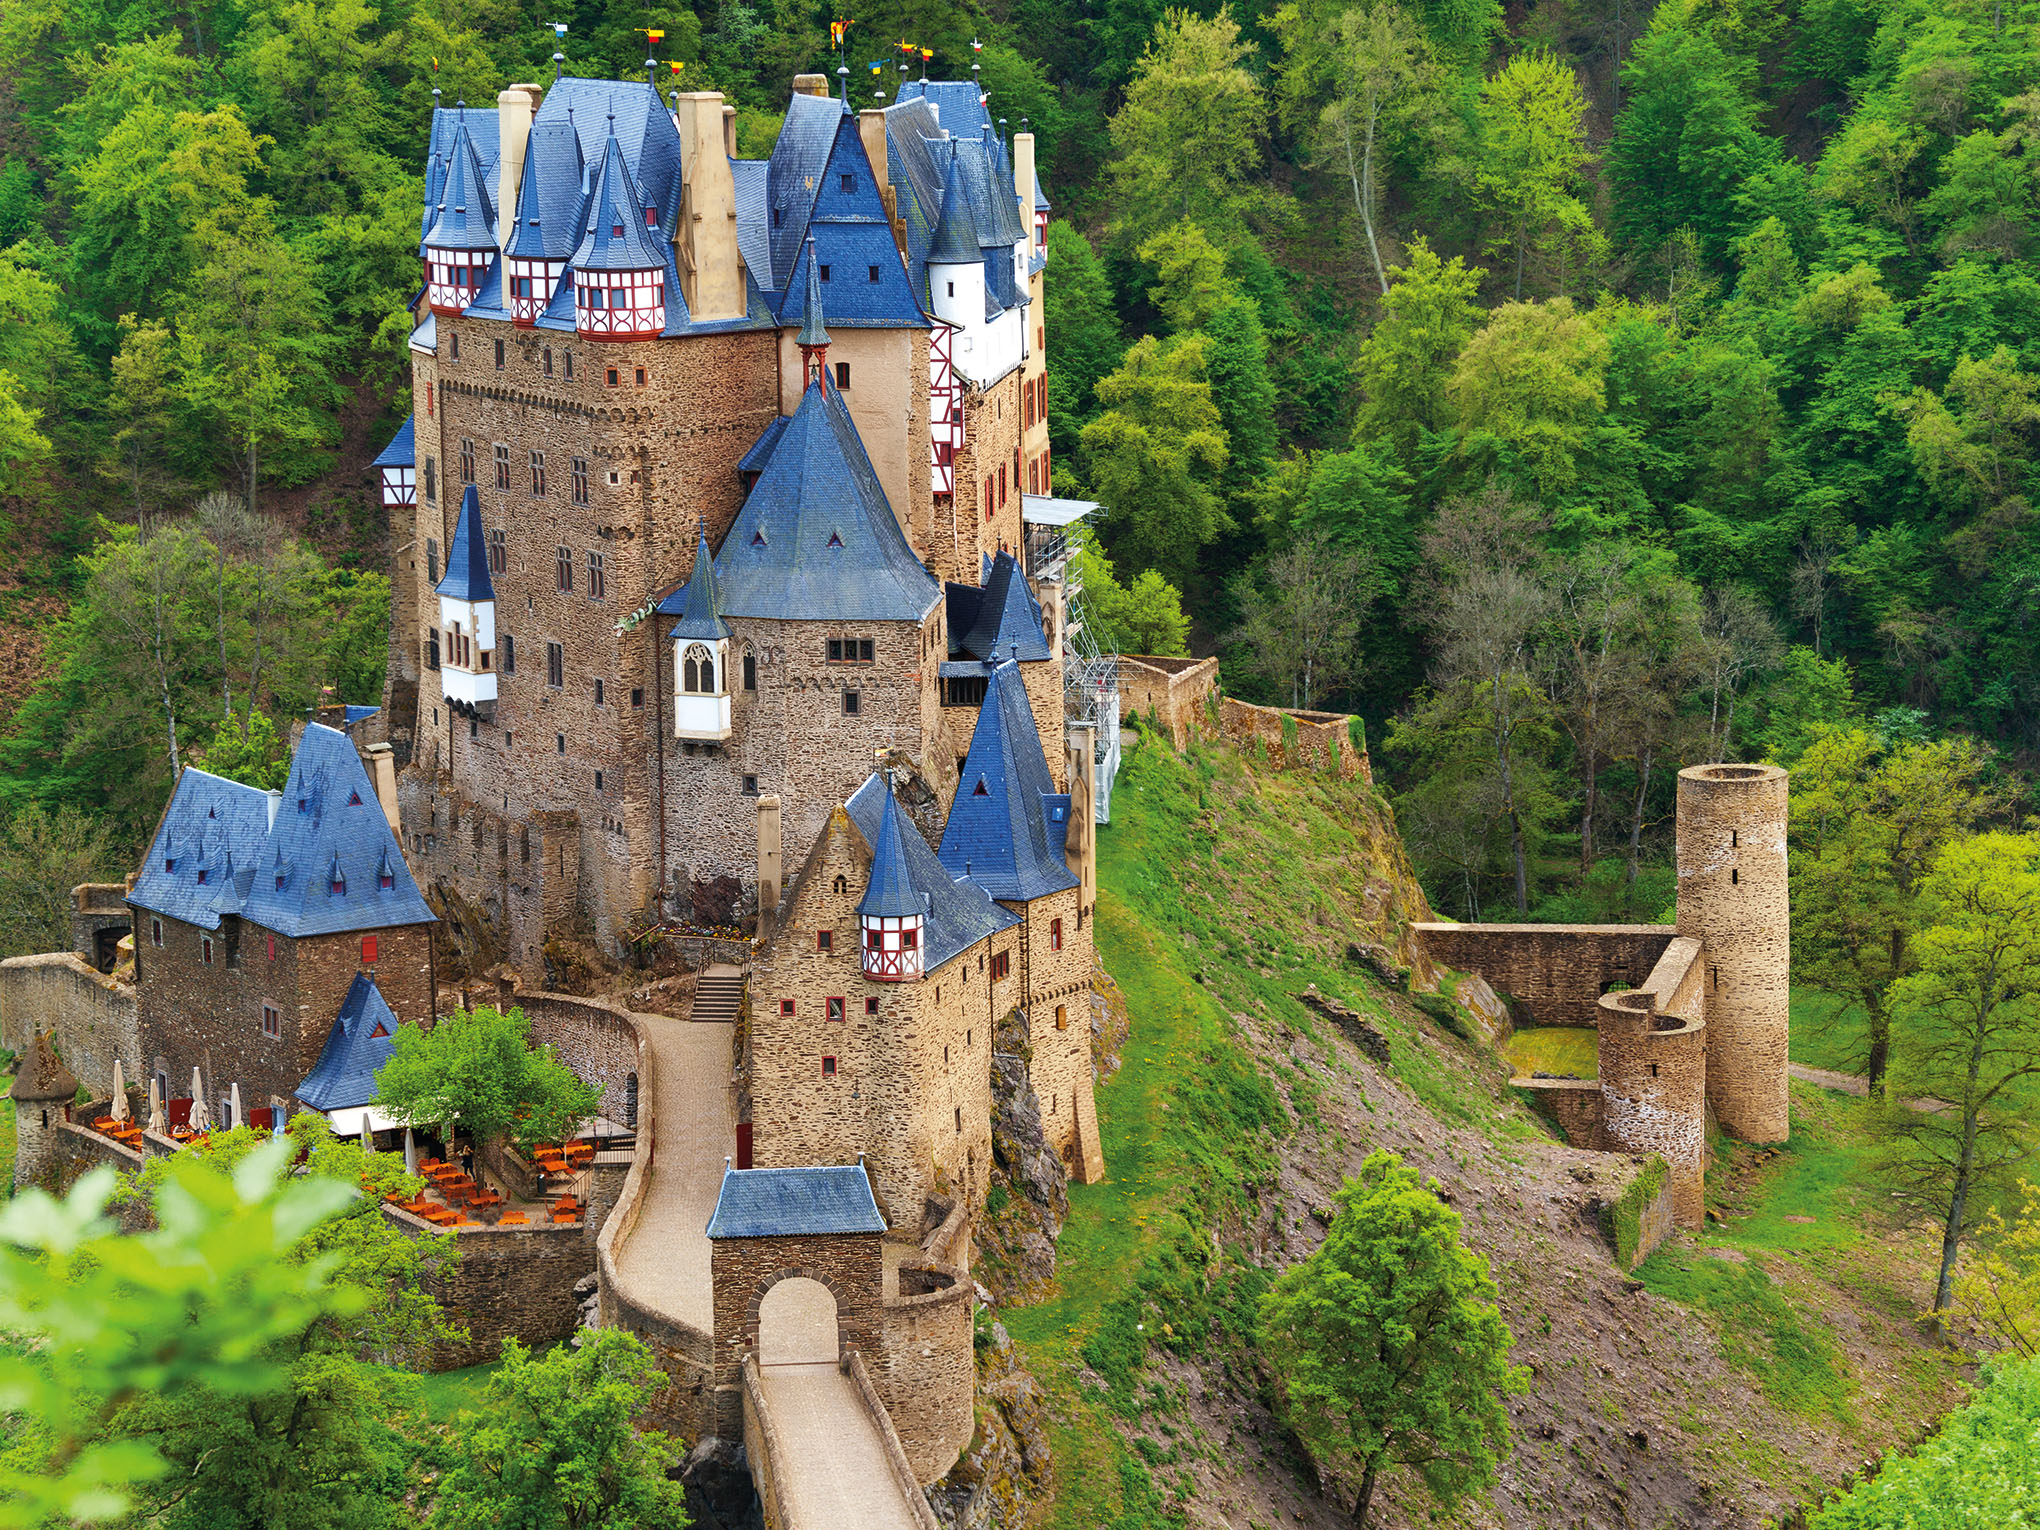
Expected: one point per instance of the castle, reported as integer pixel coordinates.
(742, 455)
(1690, 1018)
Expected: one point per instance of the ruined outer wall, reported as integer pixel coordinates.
(1294, 740)
(1732, 898)
(95, 1018)
(924, 1369)
(1174, 690)
(1558, 970)
(1654, 1092)
(1572, 1104)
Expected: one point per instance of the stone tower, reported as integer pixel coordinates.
(42, 1088)
(1653, 1074)
(1732, 898)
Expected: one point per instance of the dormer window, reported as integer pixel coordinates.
(339, 886)
(386, 881)
(201, 876)
(354, 799)
(304, 804)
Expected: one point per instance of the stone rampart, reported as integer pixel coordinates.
(1571, 1104)
(1295, 740)
(1174, 691)
(897, 1461)
(508, 1283)
(1654, 1092)
(95, 1018)
(599, 1042)
(1558, 971)
(926, 1366)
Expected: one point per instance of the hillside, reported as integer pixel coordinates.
(1733, 1377)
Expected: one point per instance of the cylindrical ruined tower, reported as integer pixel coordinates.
(1653, 1070)
(1732, 898)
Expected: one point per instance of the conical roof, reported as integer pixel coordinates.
(812, 333)
(466, 220)
(891, 893)
(955, 242)
(1008, 824)
(43, 1076)
(616, 238)
(363, 1037)
(549, 223)
(467, 560)
(1007, 624)
(697, 602)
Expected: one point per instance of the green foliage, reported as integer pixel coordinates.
(1427, 316)
(1980, 1468)
(557, 1447)
(44, 853)
(1532, 117)
(1625, 1213)
(477, 1071)
(1389, 1342)
(1145, 616)
(193, 1308)
(249, 750)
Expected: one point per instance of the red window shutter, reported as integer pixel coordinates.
(368, 948)
(743, 1144)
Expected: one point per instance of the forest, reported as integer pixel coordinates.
(1572, 390)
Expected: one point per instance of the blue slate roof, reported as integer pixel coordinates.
(363, 1036)
(754, 232)
(999, 620)
(696, 602)
(617, 238)
(467, 560)
(754, 460)
(890, 894)
(958, 103)
(793, 176)
(848, 233)
(954, 915)
(1008, 824)
(955, 240)
(803, 1202)
(355, 714)
(464, 217)
(817, 539)
(812, 332)
(551, 193)
(401, 452)
(481, 125)
(216, 851)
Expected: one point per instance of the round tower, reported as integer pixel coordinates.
(43, 1087)
(1732, 899)
(1653, 1072)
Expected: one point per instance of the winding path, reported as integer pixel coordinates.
(835, 1475)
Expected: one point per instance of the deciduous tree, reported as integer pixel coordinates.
(1390, 1343)
(476, 1071)
(1533, 147)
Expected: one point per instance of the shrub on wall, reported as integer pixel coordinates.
(1625, 1216)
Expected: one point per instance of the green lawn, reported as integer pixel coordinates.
(6, 1146)
(446, 1394)
(1561, 1050)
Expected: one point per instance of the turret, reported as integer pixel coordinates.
(813, 338)
(956, 266)
(701, 654)
(467, 612)
(460, 246)
(892, 914)
(619, 270)
(42, 1089)
(547, 224)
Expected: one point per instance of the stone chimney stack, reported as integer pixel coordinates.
(1023, 183)
(729, 131)
(768, 865)
(711, 270)
(871, 131)
(811, 84)
(515, 107)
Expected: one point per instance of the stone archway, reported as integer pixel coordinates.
(797, 1323)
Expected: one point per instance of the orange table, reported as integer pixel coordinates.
(514, 1219)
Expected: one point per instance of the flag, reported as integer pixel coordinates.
(559, 29)
(836, 31)
(926, 54)
(877, 65)
(656, 34)
(676, 66)
(435, 66)
(976, 46)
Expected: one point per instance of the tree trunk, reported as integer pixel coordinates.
(1636, 819)
(1522, 242)
(1965, 1168)
(1365, 1502)
(1587, 808)
(1880, 1049)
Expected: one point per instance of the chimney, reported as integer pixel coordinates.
(382, 769)
(711, 270)
(729, 131)
(515, 106)
(768, 866)
(1023, 183)
(811, 84)
(871, 129)
(275, 801)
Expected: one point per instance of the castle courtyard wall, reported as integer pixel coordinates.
(95, 1018)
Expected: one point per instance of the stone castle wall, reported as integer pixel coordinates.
(1174, 691)
(851, 1265)
(1059, 1021)
(1558, 971)
(508, 1283)
(1293, 740)
(1732, 898)
(1653, 1074)
(95, 1019)
(599, 1042)
(924, 1369)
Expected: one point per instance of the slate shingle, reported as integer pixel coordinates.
(799, 1202)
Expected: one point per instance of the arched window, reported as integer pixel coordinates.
(690, 676)
(842, 883)
(697, 671)
(708, 674)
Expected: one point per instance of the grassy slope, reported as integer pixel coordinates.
(1222, 894)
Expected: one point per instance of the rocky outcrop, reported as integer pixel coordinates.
(1005, 1470)
(1030, 1187)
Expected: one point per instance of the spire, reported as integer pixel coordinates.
(467, 560)
(891, 893)
(954, 242)
(699, 603)
(813, 339)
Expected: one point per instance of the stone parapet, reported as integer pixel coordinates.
(94, 1018)
(1557, 971)
(897, 1460)
(926, 1364)
(1174, 691)
(1654, 1092)
(1294, 740)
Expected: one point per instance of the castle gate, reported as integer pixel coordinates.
(797, 1324)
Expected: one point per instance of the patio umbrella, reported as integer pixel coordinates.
(157, 1121)
(410, 1152)
(120, 1104)
(200, 1120)
(234, 1117)
(367, 1138)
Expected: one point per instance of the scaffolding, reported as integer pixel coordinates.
(1091, 697)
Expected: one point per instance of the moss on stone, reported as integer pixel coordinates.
(1625, 1213)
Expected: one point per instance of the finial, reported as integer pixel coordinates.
(1024, 127)
(460, 103)
(727, 1163)
(674, 97)
(559, 63)
(652, 74)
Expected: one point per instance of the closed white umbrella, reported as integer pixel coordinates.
(120, 1104)
(234, 1116)
(367, 1137)
(157, 1122)
(201, 1119)
(410, 1152)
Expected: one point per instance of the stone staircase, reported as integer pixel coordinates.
(718, 993)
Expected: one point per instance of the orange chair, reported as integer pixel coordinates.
(514, 1219)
